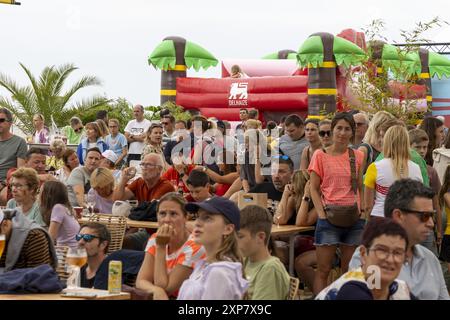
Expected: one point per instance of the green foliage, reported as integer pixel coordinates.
(120, 109)
(372, 89)
(45, 95)
(175, 110)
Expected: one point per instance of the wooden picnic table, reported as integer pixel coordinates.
(283, 230)
(291, 231)
(99, 295)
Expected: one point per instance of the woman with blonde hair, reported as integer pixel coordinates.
(294, 195)
(55, 161)
(220, 275)
(371, 146)
(104, 130)
(382, 174)
(102, 189)
(41, 133)
(25, 188)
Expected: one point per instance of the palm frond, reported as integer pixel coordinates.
(84, 82)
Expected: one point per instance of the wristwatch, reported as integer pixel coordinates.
(305, 198)
(205, 168)
(181, 175)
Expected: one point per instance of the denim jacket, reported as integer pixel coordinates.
(83, 148)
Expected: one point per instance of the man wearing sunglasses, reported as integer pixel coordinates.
(410, 204)
(95, 238)
(168, 123)
(28, 245)
(75, 131)
(13, 150)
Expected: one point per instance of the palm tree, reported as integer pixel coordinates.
(322, 52)
(45, 95)
(174, 55)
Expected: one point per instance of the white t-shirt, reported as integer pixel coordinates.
(380, 176)
(136, 128)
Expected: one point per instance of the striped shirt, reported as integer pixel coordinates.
(188, 255)
(35, 251)
(380, 176)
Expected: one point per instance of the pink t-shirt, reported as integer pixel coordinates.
(68, 228)
(335, 176)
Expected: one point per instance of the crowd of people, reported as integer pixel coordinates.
(367, 185)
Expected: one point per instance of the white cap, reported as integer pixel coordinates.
(110, 155)
(441, 118)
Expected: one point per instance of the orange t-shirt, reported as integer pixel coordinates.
(143, 193)
(335, 176)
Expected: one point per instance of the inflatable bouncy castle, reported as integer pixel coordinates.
(316, 80)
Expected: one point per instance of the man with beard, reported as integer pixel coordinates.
(282, 171)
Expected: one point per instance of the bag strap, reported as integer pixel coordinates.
(354, 183)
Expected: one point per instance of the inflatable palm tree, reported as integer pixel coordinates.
(322, 52)
(174, 55)
(406, 64)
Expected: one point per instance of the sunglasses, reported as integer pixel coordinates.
(3, 120)
(284, 157)
(422, 215)
(86, 237)
(324, 133)
(78, 129)
(164, 123)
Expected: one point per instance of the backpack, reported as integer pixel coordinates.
(145, 211)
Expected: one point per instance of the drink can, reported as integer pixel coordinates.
(115, 277)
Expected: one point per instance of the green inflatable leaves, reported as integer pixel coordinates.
(311, 52)
(347, 53)
(401, 63)
(271, 56)
(197, 57)
(163, 56)
(439, 65)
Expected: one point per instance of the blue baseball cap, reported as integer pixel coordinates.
(218, 205)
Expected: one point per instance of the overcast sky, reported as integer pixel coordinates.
(112, 39)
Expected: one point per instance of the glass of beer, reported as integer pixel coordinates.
(75, 259)
(2, 244)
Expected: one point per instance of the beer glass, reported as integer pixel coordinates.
(2, 244)
(75, 259)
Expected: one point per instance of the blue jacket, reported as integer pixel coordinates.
(83, 148)
(30, 280)
(131, 263)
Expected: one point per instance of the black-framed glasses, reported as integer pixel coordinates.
(281, 156)
(383, 253)
(86, 237)
(323, 133)
(422, 215)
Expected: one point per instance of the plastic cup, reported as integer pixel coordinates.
(78, 212)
